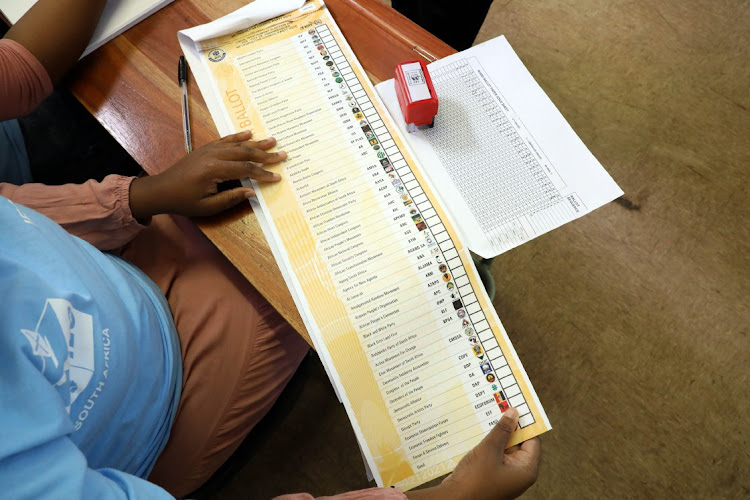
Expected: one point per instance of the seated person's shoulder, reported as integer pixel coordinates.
(24, 82)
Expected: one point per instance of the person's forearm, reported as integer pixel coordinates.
(57, 32)
(98, 212)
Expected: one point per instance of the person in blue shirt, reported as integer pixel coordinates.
(134, 358)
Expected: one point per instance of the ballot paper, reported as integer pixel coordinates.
(382, 280)
(508, 165)
(117, 16)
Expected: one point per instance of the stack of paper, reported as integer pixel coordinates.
(505, 161)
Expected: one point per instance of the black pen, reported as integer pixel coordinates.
(182, 79)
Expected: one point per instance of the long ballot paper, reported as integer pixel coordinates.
(386, 288)
(509, 166)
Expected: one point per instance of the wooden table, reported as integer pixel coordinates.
(130, 86)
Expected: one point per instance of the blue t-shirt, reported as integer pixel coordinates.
(90, 368)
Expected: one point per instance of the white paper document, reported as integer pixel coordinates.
(118, 15)
(504, 160)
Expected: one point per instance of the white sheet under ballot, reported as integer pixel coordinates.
(504, 160)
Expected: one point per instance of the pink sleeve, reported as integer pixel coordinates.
(96, 212)
(24, 83)
(369, 494)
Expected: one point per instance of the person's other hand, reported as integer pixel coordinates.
(489, 471)
(190, 186)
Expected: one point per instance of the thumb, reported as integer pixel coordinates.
(499, 436)
(224, 200)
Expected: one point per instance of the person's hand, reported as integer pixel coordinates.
(190, 186)
(489, 471)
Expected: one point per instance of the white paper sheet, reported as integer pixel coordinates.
(503, 158)
(118, 15)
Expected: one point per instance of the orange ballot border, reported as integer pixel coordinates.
(388, 292)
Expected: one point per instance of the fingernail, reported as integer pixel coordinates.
(249, 194)
(276, 177)
(512, 412)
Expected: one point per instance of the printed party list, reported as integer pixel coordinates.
(389, 293)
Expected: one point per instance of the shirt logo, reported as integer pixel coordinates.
(60, 320)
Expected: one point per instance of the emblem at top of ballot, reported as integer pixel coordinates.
(217, 55)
